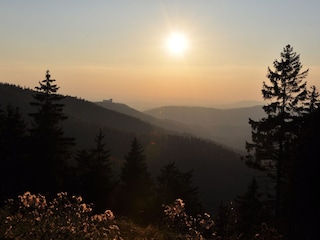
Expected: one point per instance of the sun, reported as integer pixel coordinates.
(177, 43)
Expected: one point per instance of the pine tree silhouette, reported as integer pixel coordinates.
(49, 148)
(273, 137)
(96, 174)
(173, 184)
(303, 204)
(136, 191)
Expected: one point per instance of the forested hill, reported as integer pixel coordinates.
(177, 127)
(76, 109)
(229, 127)
(218, 172)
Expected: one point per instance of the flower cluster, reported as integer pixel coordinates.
(28, 200)
(191, 227)
(32, 217)
(202, 226)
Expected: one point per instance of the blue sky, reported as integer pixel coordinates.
(115, 49)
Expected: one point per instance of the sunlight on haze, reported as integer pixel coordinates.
(219, 51)
(177, 43)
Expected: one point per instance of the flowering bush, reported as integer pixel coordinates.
(192, 227)
(32, 217)
(202, 226)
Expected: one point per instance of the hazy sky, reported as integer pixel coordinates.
(100, 49)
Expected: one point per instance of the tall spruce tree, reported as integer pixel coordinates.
(304, 198)
(273, 136)
(173, 183)
(50, 149)
(95, 174)
(136, 193)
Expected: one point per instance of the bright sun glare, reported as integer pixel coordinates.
(177, 43)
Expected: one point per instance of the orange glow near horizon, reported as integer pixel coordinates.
(142, 87)
(125, 51)
(163, 85)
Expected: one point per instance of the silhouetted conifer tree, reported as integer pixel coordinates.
(50, 149)
(173, 184)
(303, 200)
(12, 149)
(82, 158)
(250, 210)
(96, 174)
(136, 190)
(273, 137)
(226, 221)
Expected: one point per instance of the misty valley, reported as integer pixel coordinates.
(76, 169)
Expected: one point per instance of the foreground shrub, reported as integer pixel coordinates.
(189, 227)
(203, 227)
(32, 217)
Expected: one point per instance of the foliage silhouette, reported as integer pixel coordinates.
(95, 174)
(173, 184)
(303, 198)
(251, 212)
(136, 187)
(274, 137)
(49, 148)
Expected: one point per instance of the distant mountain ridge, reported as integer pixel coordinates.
(227, 126)
(212, 164)
(125, 109)
(206, 115)
(76, 109)
(239, 104)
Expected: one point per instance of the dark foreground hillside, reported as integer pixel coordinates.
(218, 172)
